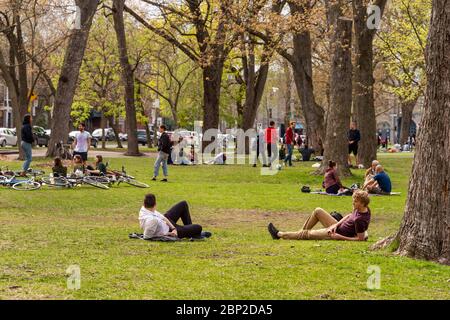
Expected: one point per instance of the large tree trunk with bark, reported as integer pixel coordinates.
(68, 77)
(336, 144)
(303, 78)
(212, 80)
(363, 103)
(288, 92)
(425, 230)
(407, 115)
(127, 78)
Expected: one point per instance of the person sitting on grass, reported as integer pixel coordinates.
(59, 170)
(306, 152)
(154, 224)
(380, 183)
(352, 227)
(100, 167)
(78, 165)
(371, 172)
(332, 183)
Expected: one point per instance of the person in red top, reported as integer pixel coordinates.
(289, 141)
(271, 142)
(352, 227)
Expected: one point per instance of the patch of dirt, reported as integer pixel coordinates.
(226, 218)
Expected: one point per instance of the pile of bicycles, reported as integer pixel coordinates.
(35, 179)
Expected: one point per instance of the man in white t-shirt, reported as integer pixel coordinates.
(154, 224)
(82, 143)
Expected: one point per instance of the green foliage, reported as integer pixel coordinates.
(401, 47)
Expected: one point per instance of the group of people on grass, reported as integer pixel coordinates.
(377, 181)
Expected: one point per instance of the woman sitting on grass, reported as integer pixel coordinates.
(332, 183)
(59, 170)
(100, 167)
(353, 227)
(78, 165)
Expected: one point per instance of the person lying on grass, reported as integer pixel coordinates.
(154, 224)
(352, 227)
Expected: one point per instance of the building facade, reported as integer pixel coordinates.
(6, 113)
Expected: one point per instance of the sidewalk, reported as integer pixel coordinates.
(40, 152)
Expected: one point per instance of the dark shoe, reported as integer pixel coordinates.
(206, 234)
(273, 231)
(254, 166)
(164, 180)
(265, 166)
(154, 179)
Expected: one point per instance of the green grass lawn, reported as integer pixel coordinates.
(43, 232)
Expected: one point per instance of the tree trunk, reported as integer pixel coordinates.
(69, 75)
(103, 124)
(288, 92)
(127, 78)
(363, 104)
(115, 126)
(303, 77)
(425, 230)
(336, 144)
(212, 79)
(407, 115)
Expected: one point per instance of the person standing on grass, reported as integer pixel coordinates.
(271, 142)
(82, 143)
(353, 227)
(27, 143)
(289, 141)
(354, 136)
(258, 145)
(164, 149)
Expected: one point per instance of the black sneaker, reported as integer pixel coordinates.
(206, 234)
(273, 231)
(164, 180)
(154, 179)
(254, 166)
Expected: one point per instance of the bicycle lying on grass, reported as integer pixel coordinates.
(101, 182)
(14, 180)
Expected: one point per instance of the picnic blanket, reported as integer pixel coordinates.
(341, 195)
(140, 236)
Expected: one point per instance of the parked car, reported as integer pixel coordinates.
(41, 137)
(142, 137)
(70, 140)
(9, 137)
(109, 134)
(123, 136)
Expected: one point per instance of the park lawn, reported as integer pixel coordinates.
(44, 232)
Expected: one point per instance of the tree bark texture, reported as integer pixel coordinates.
(69, 75)
(425, 230)
(407, 115)
(336, 143)
(127, 78)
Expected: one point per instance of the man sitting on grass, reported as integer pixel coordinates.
(353, 227)
(380, 183)
(154, 224)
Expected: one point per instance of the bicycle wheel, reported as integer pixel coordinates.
(101, 179)
(136, 183)
(93, 182)
(55, 182)
(26, 186)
